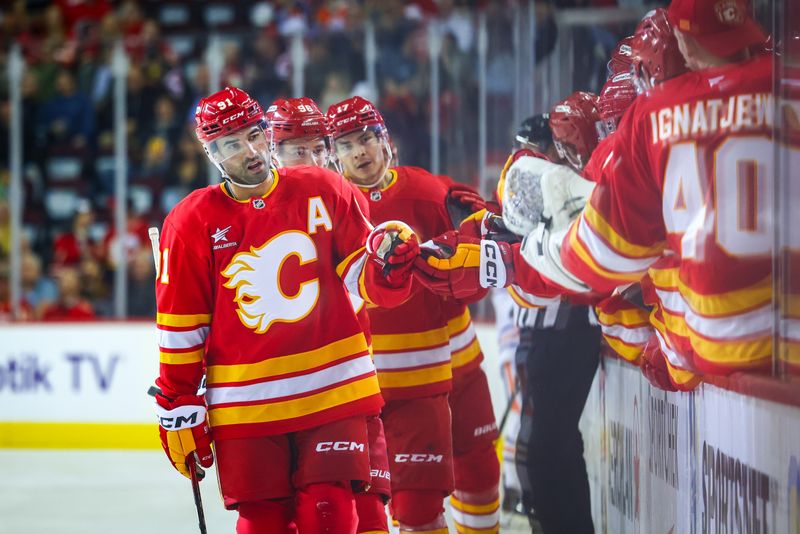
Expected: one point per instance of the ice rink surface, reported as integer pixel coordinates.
(131, 492)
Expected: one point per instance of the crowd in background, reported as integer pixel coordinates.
(70, 248)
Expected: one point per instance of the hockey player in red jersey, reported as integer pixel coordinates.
(691, 192)
(253, 290)
(302, 137)
(424, 349)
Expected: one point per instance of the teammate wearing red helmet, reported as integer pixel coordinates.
(616, 96)
(573, 123)
(621, 58)
(253, 289)
(426, 352)
(656, 57)
(302, 137)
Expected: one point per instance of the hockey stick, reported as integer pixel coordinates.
(153, 233)
(509, 405)
(196, 473)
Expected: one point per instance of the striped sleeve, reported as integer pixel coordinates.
(183, 299)
(620, 232)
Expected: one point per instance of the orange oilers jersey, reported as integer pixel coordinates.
(691, 178)
(411, 343)
(256, 292)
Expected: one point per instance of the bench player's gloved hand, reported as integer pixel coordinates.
(654, 368)
(463, 266)
(462, 201)
(394, 246)
(184, 431)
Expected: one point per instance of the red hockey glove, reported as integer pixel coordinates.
(654, 368)
(462, 201)
(184, 431)
(393, 245)
(462, 266)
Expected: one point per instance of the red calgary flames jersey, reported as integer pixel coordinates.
(691, 178)
(256, 292)
(412, 343)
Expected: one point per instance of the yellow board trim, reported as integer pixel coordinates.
(410, 340)
(291, 363)
(51, 435)
(417, 377)
(179, 321)
(180, 358)
(291, 409)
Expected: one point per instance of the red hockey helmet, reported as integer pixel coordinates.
(355, 113)
(656, 56)
(618, 93)
(647, 20)
(225, 112)
(294, 118)
(573, 124)
(621, 58)
(231, 126)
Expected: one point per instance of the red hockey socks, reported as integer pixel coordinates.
(371, 514)
(265, 516)
(326, 508)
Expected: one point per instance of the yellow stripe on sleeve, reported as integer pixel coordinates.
(589, 261)
(177, 320)
(616, 241)
(180, 358)
(347, 261)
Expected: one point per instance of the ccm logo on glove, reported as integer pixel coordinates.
(181, 417)
(493, 269)
(327, 446)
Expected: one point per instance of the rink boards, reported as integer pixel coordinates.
(711, 461)
(716, 460)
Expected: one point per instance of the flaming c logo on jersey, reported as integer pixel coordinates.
(256, 276)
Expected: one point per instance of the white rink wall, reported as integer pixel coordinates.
(710, 461)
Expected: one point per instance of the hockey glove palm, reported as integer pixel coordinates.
(184, 431)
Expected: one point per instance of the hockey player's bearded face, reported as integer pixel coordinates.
(302, 151)
(244, 155)
(362, 156)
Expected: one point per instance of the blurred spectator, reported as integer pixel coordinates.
(337, 88)
(96, 287)
(70, 248)
(5, 229)
(38, 291)
(26, 313)
(70, 304)
(68, 117)
(135, 238)
(260, 74)
(160, 134)
(141, 292)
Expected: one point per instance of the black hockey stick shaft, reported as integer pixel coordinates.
(191, 463)
(195, 473)
(509, 405)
